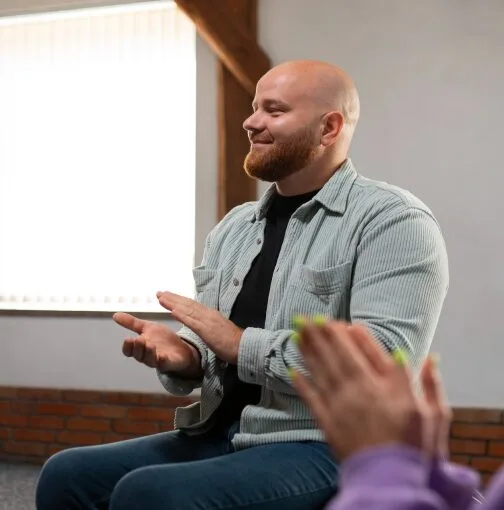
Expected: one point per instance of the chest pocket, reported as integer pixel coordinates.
(324, 291)
(207, 286)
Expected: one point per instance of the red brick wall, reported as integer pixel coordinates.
(35, 423)
(477, 439)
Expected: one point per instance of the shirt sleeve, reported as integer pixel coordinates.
(393, 477)
(456, 484)
(265, 357)
(400, 281)
(494, 495)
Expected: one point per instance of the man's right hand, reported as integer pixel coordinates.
(157, 346)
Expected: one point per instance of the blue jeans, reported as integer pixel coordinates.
(172, 470)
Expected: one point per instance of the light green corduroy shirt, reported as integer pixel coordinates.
(359, 250)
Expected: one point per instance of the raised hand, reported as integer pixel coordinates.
(220, 334)
(157, 346)
(363, 397)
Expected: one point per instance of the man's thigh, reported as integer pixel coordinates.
(84, 477)
(283, 475)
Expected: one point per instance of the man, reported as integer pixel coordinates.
(322, 240)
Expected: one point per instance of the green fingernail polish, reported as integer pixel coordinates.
(400, 357)
(299, 321)
(295, 338)
(319, 319)
(291, 373)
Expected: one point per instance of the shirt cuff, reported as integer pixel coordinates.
(252, 353)
(177, 386)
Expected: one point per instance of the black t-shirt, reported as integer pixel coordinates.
(249, 309)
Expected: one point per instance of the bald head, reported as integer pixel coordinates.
(303, 121)
(327, 86)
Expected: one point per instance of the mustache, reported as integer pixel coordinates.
(254, 138)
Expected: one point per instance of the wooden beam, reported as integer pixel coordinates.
(234, 186)
(234, 105)
(230, 28)
(244, 13)
(234, 45)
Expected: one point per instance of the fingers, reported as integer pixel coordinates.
(170, 301)
(132, 347)
(141, 350)
(187, 311)
(127, 348)
(336, 350)
(150, 357)
(378, 359)
(435, 399)
(187, 316)
(431, 384)
(318, 357)
(129, 321)
(368, 346)
(348, 359)
(332, 357)
(313, 400)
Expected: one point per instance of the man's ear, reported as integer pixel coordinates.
(332, 125)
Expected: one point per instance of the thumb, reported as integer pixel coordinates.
(435, 398)
(432, 385)
(128, 321)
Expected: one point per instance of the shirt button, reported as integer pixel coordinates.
(258, 241)
(218, 392)
(236, 282)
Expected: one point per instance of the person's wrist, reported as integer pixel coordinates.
(193, 369)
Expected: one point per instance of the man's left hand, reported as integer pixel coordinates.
(220, 334)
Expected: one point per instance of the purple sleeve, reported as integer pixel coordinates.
(494, 495)
(456, 484)
(393, 477)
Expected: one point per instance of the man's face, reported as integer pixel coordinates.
(284, 129)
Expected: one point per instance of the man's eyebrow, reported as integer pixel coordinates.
(270, 103)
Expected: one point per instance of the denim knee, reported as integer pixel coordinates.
(54, 484)
(133, 492)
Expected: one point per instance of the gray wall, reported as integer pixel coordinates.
(431, 79)
(431, 76)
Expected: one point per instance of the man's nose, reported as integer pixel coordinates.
(253, 123)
